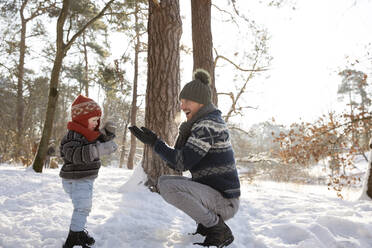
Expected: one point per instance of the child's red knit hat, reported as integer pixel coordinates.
(84, 108)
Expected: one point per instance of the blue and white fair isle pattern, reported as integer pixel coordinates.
(207, 154)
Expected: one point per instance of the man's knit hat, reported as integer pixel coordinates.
(198, 89)
(84, 108)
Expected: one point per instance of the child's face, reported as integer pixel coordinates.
(93, 122)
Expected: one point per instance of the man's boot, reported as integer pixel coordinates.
(202, 230)
(81, 238)
(219, 235)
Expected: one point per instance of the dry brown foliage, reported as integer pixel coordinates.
(337, 138)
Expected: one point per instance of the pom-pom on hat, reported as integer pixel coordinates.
(198, 89)
(84, 108)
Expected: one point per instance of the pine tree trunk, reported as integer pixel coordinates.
(202, 41)
(133, 115)
(163, 82)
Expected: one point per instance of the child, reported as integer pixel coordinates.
(81, 149)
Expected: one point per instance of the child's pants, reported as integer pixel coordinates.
(199, 201)
(81, 193)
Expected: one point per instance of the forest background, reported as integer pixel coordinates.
(134, 56)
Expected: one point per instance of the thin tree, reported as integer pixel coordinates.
(355, 87)
(124, 140)
(163, 81)
(81, 12)
(62, 49)
(133, 114)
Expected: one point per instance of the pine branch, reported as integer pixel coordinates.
(75, 36)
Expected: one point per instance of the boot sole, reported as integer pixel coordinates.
(226, 243)
(83, 246)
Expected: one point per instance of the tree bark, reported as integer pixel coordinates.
(21, 71)
(202, 41)
(86, 68)
(369, 182)
(20, 104)
(124, 140)
(133, 115)
(163, 81)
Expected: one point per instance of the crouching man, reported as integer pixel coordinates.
(203, 147)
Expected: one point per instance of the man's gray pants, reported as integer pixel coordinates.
(201, 202)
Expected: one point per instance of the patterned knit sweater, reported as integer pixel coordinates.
(207, 154)
(77, 156)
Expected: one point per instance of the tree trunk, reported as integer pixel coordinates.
(86, 67)
(124, 140)
(202, 41)
(53, 91)
(20, 105)
(133, 115)
(369, 182)
(163, 82)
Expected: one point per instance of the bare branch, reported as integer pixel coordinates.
(40, 10)
(9, 69)
(226, 12)
(234, 6)
(119, 13)
(234, 64)
(230, 94)
(242, 90)
(248, 107)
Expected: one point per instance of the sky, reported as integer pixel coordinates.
(36, 212)
(309, 45)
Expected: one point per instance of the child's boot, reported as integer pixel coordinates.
(81, 238)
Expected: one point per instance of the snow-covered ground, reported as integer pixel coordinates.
(35, 212)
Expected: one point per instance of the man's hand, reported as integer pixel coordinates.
(144, 134)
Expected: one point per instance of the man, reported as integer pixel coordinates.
(203, 147)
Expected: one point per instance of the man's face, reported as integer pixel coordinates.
(93, 122)
(190, 108)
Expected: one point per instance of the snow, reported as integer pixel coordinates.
(35, 212)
